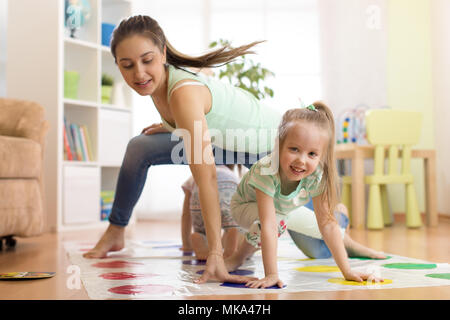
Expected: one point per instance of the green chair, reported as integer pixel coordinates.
(392, 131)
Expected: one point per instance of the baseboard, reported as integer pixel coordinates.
(401, 217)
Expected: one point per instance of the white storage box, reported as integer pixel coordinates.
(81, 196)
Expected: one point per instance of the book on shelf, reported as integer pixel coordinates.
(70, 146)
(87, 142)
(67, 152)
(106, 202)
(77, 142)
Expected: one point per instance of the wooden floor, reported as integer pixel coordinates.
(46, 253)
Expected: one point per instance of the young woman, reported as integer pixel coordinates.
(191, 106)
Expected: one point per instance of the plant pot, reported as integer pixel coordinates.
(71, 80)
(106, 94)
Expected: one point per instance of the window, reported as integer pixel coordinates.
(292, 51)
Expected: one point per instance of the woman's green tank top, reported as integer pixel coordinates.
(237, 120)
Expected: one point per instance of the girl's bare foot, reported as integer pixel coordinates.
(355, 249)
(376, 254)
(233, 262)
(199, 245)
(244, 251)
(112, 240)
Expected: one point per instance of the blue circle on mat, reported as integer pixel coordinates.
(195, 262)
(242, 285)
(239, 272)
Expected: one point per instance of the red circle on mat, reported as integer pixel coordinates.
(116, 264)
(141, 289)
(125, 275)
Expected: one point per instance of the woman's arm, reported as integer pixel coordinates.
(269, 242)
(187, 107)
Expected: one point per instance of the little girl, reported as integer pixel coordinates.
(302, 166)
(227, 182)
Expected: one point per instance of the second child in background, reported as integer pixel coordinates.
(227, 182)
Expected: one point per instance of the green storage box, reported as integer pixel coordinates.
(71, 79)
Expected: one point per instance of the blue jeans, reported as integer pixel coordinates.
(312, 247)
(144, 151)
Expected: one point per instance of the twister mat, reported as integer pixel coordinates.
(158, 269)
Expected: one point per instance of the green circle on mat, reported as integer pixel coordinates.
(439, 275)
(410, 265)
(366, 258)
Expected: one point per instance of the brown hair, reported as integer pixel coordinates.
(323, 117)
(148, 27)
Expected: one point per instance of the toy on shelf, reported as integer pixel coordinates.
(351, 126)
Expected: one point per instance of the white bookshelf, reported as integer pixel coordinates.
(39, 51)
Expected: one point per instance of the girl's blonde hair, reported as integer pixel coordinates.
(148, 27)
(322, 117)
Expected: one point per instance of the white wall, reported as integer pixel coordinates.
(3, 24)
(353, 41)
(440, 10)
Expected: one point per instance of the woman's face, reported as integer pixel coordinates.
(141, 64)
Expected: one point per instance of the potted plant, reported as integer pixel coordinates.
(107, 85)
(246, 74)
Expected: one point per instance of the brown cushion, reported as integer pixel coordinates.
(19, 158)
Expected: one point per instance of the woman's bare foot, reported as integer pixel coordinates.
(112, 240)
(200, 246)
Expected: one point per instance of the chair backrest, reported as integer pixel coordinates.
(397, 130)
(393, 127)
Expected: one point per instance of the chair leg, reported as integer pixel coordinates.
(413, 219)
(387, 214)
(374, 209)
(346, 199)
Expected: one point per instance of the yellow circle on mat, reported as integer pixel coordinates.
(306, 259)
(355, 283)
(319, 269)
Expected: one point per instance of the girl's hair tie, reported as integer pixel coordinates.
(311, 107)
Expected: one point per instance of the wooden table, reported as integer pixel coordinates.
(357, 154)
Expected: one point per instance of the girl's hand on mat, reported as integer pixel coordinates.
(215, 269)
(362, 276)
(268, 281)
(154, 128)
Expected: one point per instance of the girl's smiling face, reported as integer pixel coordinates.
(301, 151)
(141, 64)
